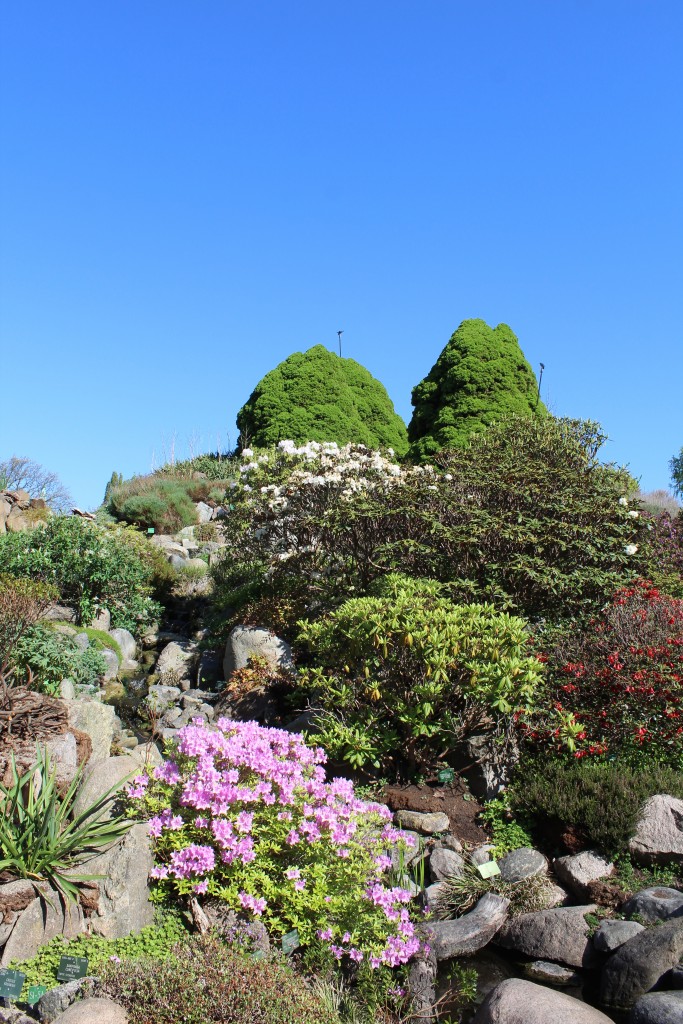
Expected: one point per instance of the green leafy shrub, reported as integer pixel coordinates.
(22, 602)
(404, 674)
(318, 396)
(209, 981)
(52, 656)
(525, 517)
(38, 838)
(620, 680)
(600, 800)
(481, 377)
(90, 566)
(154, 942)
(153, 501)
(507, 833)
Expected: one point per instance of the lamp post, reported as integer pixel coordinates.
(540, 378)
(339, 334)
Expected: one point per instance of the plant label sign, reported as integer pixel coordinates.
(446, 776)
(72, 967)
(489, 869)
(11, 983)
(290, 942)
(34, 993)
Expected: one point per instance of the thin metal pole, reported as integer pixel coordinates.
(339, 334)
(540, 378)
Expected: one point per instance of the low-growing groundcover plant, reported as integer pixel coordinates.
(620, 679)
(404, 674)
(154, 942)
(52, 656)
(205, 980)
(90, 566)
(244, 814)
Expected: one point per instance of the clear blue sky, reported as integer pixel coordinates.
(191, 191)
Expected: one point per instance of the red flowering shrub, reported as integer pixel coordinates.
(622, 679)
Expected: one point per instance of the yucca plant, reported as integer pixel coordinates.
(38, 840)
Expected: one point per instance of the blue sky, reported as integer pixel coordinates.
(189, 192)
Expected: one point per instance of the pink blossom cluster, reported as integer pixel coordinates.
(230, 783)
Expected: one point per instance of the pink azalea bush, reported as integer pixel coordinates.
(244, 814)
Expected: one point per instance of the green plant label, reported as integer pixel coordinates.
(446, 776)
(11, 983)
(489, 869)
(290, 942)
(72, 967)
(34, 993)
(150, 529)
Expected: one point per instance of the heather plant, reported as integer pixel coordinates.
(619, 681)
(404, 674)
(205, 980)
(244, 814)
(90, 566)
(598, 800)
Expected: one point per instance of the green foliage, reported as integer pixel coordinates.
(22, 602)
(52, 656)
(634, 877)
(38, 839)
(197, 571)
(209, 981)
(155, 942)
(480, 378)
(404, 673)
(507, 833)
(601, 800)
(460, 893)
(318, 396)
(115, 480)
(153, 501)
(90, 566)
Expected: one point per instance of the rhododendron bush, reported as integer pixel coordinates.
(621, 680)
(244, 814)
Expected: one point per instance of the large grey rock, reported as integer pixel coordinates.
(58, 999)
(481, 855)
(93, 1010)
(112, 663)
(658, 1008)
(82, 642)
(576, 872)
(204, 512)
(445, 863)
(60, 613)
(123, 903)
(487, 765)
(657, 903)
(468, 933)
(659, 832)
(560, 934)
(98, 721)
(640, 963)
(160, 698)
(522, 1002)
(45, 917)
(522, 863)
(548, 973)
(246, 642)
(176, 662)
(98, 779)
(102, 620)
(126, 642)
(612, 934)
(63, 754)
(427, 824)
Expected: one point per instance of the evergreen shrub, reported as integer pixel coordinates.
(404, 674)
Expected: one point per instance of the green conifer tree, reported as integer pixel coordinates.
(480, 377)
(318, 396)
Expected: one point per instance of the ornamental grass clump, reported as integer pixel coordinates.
(244, 814)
